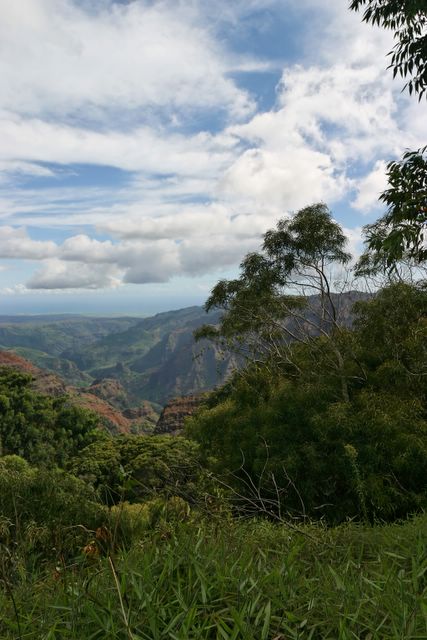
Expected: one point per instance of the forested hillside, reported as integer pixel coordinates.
(153, 359)
(307, 466)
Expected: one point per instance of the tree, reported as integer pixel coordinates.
(391, 331)
(41, 429)
(408, 20)
(285, 294)
(400, 232)
(290, 444)
(138, 468)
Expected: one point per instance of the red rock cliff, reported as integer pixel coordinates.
(172, 418)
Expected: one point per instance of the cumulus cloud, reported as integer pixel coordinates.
(195, 221)
(212, 254)
(56, 274)
(326, 122)
(150, 262)
(82, 248)
(81, 262)
(122, 85)
(284, 179)
(16, 243)
(119, 57)
(370, 187)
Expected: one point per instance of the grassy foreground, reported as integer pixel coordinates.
(228, 580)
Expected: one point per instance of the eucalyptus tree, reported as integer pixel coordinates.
(408, 21)
(401, 232)
(285, 295)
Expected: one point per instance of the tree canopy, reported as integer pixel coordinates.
(400, 233)
(296, 260)
(292, 444)
(41, 429)
(285, 293)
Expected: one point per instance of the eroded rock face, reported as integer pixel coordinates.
(172, 418)
(144, 412)
(114, 420)
(110, 390)
(113, 392)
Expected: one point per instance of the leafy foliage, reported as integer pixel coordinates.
(138, 468)
(44, 511)
(289, 444)
(299, 247)
(41, 429)
(391, 330)
(261, 316)
(408, 20)
(400, 233)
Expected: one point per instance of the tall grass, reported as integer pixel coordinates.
(229, 581)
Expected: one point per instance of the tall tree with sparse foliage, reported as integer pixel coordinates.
(285, 293)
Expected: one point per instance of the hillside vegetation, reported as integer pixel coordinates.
(252, 581)
(295, 505)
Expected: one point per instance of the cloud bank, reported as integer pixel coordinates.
(160, 93)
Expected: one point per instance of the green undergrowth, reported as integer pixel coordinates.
(222, 579)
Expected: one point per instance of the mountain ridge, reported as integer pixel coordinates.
(154, 359)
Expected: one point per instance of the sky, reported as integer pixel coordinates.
(146, 145)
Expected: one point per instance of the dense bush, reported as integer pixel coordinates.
(45, 511)
(41, 429)
(289, 443)
(138, 468)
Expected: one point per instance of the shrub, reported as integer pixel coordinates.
(48, 511)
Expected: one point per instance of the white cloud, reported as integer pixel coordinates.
(82, 248)
(16, 243)
(286, 179)
(328, 122)
(56, 274)
(120, 57)
(355, 241)
(212, 254)
(17, 289)
(150, 262)
(121, 86)
(370, 187)
(82, 262)
(190, 221)
(142, 149)
(10, 169)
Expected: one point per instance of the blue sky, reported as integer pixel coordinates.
(145, 146)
